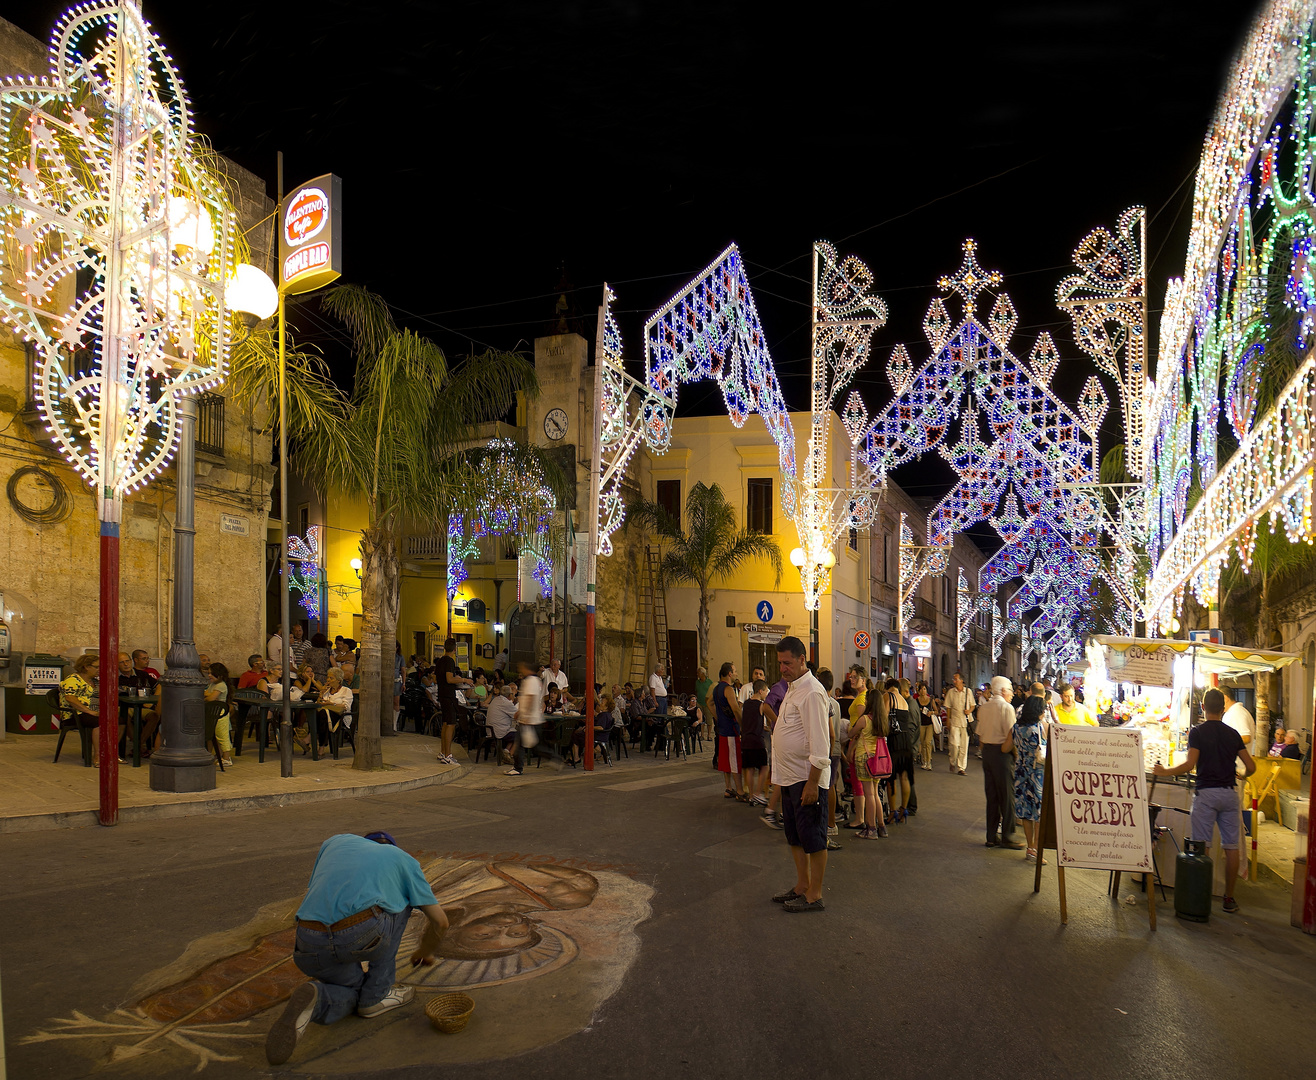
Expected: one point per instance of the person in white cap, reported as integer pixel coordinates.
(995, 719)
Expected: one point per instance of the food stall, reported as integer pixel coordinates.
(1156, 685)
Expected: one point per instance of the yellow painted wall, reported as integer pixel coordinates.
(712, 450)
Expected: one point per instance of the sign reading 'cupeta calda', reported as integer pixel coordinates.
(310, 235)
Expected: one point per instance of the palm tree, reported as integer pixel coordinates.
(711, 552)
(402, 443)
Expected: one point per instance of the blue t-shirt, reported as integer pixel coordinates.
(352, 874)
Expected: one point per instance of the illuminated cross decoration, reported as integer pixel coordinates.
(970, 279)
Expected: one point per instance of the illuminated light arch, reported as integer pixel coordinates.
(517, 502)
(708, 330)
(1253, 216)
(1017, 449)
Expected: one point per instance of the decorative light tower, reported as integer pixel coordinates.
(844, 316)
(119, 242)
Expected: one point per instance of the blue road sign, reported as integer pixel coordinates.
(764, 611)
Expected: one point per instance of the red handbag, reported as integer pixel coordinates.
(879, 762)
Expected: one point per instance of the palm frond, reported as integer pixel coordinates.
(654, 517)
(742, 549)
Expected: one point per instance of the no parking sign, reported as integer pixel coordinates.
(862, 640)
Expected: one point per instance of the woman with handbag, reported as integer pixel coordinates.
(901, 740)
(872, 764)
(1027, 739)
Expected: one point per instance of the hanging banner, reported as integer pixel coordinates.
(1145, 667)
(1100, 784)
(311, 235)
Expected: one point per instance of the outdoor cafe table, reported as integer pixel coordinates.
(137, 704)
(307, 705)
(652, 730)
(253, 699)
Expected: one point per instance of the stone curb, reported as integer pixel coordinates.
(77, 819)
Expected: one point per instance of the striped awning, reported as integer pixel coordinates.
(1227, 660)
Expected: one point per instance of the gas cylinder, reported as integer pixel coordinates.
(1193, 873)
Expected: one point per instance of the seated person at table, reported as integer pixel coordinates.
(603, 721)
(553, 700)
(351, 677)
(135, 675)
(274, 685)
(75, 700)
(254, 673)
(305, 681)
(1291, 748)
(1277, 746)
(501, 719)
(203, 662)
(218, 691)
(335, 699)
(479, 693)
(694, 713)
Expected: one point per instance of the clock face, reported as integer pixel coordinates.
(555, 424)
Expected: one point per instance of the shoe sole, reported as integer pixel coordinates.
(817, 905)
(283, 1037)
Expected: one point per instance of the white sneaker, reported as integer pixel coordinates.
(291, 1024)
(395, 998)
(833, 831)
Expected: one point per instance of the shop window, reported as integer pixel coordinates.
(668, 494)
(759, 516)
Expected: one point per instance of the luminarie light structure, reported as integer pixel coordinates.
(117, 240)
(1254, 222)
(516, 501)
(1016, 449)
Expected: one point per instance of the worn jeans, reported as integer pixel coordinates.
(998, 783)
(334, 961)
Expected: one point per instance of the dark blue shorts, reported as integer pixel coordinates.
(806, 826)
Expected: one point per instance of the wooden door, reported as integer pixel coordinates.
(683, 648)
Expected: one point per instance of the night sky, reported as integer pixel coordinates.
(483, 146)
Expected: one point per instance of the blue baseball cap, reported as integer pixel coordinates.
(381, 837)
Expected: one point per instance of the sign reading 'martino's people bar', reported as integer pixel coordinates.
(1099, 779)
(311, 235)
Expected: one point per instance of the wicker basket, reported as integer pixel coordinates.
(449, 1012)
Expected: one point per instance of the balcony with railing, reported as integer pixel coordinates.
(430, 547)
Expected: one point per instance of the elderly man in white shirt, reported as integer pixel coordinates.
(995, 721)
(960, 704)
(801, 769)
(658, 685)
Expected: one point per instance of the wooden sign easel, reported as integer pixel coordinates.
(1046, 828)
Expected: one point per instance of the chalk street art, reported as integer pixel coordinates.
(567, 925)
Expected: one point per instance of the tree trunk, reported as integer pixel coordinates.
(388, 630)
(1265, 633)
(703, 629)
(369, 754)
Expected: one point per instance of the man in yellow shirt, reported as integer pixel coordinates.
(1070, 711)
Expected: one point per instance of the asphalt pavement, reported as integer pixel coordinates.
(934, 957)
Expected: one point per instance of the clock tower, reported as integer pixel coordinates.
(561, 418)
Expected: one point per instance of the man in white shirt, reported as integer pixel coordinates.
(501, 718)
(529, 715)
(995, 721)
(658, 684)
(553, 675)
(746, 690)
(801, 769)
(274, 647)
(1237, 717)
(959, 711)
